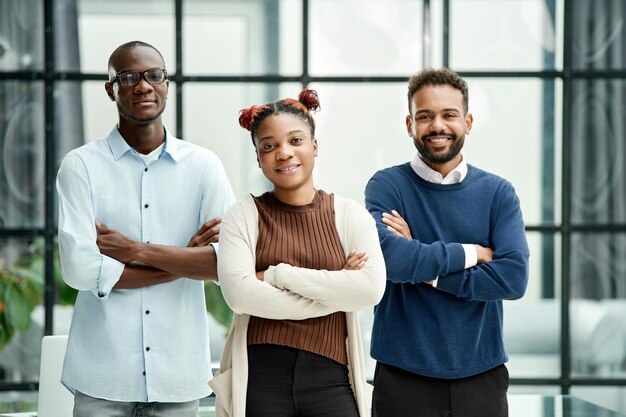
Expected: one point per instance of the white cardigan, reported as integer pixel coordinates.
(293, 293)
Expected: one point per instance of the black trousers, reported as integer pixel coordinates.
(399, 393)
(288, 382)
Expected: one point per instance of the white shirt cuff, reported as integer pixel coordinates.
(471, 255)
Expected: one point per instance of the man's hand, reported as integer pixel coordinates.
(484, 254)
(115, 245)
(396, 224)
(208, 233)
(356, 260)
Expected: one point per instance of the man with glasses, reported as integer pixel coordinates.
(139, 214)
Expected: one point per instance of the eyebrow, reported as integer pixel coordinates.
(450, 109)
(291, 132)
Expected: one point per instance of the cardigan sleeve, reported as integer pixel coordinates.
(243, 292)
(343, 290)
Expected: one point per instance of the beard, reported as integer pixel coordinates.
(428, 156)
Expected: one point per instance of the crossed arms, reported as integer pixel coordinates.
(161, 263)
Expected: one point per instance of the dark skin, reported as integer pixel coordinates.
(286, 141)
(140, 124)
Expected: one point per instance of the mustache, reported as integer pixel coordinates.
(439, 134)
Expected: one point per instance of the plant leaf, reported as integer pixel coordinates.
(16, 308)
(216, 305)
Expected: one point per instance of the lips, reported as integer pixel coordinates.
(287, 168)
(143, 103)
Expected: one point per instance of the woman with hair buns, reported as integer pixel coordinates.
(295, 264)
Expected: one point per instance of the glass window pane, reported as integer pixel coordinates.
(22, 154)
(598, 265)
(214, 124)
(526, 155)
(532, 324)
(598, 308)
(21, 35)
(503, 35)
(598, 151)
(598, 34)
(156, 27)
(532, 330)
(357, 140)
(261, 37)
(613, 398)
(69, 130)
(383, 38)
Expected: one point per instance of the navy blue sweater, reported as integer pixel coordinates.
(454, 330)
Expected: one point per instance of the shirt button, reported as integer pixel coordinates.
(147, 311)
(146, 169)
(148, 349)
(146, 205)
(144, 372)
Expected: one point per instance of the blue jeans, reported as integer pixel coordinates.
(86, 406)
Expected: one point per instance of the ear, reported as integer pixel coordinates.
(409, 125)
(469, 120)
(314, 147)
(109, 89)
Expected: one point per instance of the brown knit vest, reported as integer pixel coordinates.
(303, 236)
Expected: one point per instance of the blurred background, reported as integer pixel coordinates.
(547, 85)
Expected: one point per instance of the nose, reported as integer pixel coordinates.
(284, 153)
(143, 85)
(437, 124)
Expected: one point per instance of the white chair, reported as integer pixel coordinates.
(55, 400)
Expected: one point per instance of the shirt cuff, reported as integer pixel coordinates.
(471, 255)
(215, 248)
(110, 272)
(434, 282)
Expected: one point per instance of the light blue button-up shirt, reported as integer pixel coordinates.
(150, 343)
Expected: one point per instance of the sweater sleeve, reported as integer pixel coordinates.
(343, 290)
(407, 261)
(243, 292)
(506, 276)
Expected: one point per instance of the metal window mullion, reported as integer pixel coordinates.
(50, 168)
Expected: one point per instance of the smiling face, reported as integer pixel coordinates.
(143, 103)
(438, 125)
(286, 154)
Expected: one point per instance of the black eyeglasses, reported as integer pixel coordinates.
(131, 78)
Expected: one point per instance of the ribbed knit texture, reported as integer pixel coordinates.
(302, 236)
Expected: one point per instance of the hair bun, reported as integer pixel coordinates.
(246, 116)
(309, 99)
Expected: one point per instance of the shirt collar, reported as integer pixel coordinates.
(428, 174)
(119, 146)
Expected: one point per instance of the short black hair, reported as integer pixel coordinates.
(441, 76)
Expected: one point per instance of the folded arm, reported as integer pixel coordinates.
(408, 260)
(242, 290)
(197, 260)
(506, 276)
(343, 290)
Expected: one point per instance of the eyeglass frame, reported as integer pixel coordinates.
(142, 74)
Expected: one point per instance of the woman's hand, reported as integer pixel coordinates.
(396, 224)
(356, 260)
